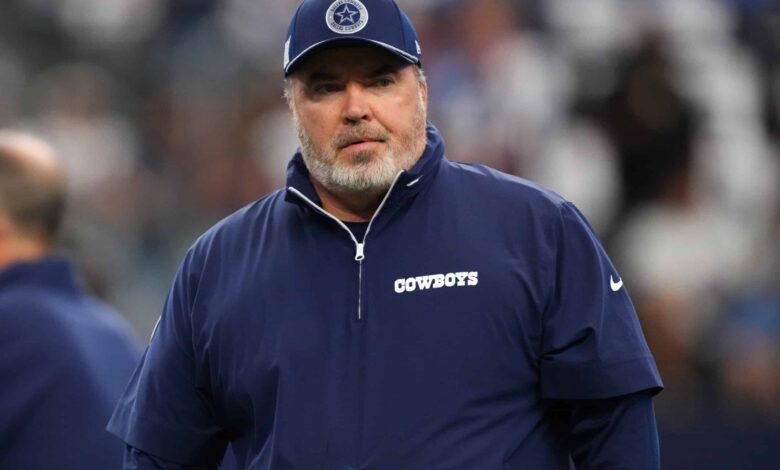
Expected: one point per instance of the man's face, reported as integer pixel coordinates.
(360, 114)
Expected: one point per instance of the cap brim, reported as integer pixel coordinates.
(347, 41)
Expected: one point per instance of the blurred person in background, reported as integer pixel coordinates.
(75, 110)
(497, 89)
(64, 357)
(303, 330)
(739, 412)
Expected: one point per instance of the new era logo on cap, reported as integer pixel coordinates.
(378, 23)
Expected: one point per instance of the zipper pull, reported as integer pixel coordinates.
(359, 255)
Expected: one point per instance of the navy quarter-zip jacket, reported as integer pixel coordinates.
(435, 342)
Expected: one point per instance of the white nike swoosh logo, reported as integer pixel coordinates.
(615, 285)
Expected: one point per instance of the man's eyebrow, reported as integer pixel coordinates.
(385, 69)
(320, 77)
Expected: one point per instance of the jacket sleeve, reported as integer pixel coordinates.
(139, 460)
(167, 409)
(614, 434)
(592, 343)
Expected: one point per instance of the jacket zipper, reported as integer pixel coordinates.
(359, 246)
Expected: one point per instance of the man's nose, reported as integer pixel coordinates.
(356, 104)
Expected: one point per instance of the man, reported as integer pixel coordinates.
(64, 357)
(390, 309)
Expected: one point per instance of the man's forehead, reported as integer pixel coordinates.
(346, 58)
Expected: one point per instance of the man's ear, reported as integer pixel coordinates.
(289, 95)
(424, 92)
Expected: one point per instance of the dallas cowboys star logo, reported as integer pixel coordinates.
(346, 14)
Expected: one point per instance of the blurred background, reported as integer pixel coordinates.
(660, 119)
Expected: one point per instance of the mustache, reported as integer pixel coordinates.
(361, 133)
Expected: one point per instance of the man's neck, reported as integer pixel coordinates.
(349, 206)
(20, 250)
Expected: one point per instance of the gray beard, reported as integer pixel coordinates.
(365, 172)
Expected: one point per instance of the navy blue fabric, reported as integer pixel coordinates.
(612, 433)
(138, 460)
(358, 229)
(480, 297)
(64, 361)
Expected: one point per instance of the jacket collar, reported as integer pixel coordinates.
(51, 272)
(411, 182)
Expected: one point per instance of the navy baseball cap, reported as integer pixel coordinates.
(320, 23)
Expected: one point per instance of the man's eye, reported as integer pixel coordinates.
(383, 82)
(325, 88)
